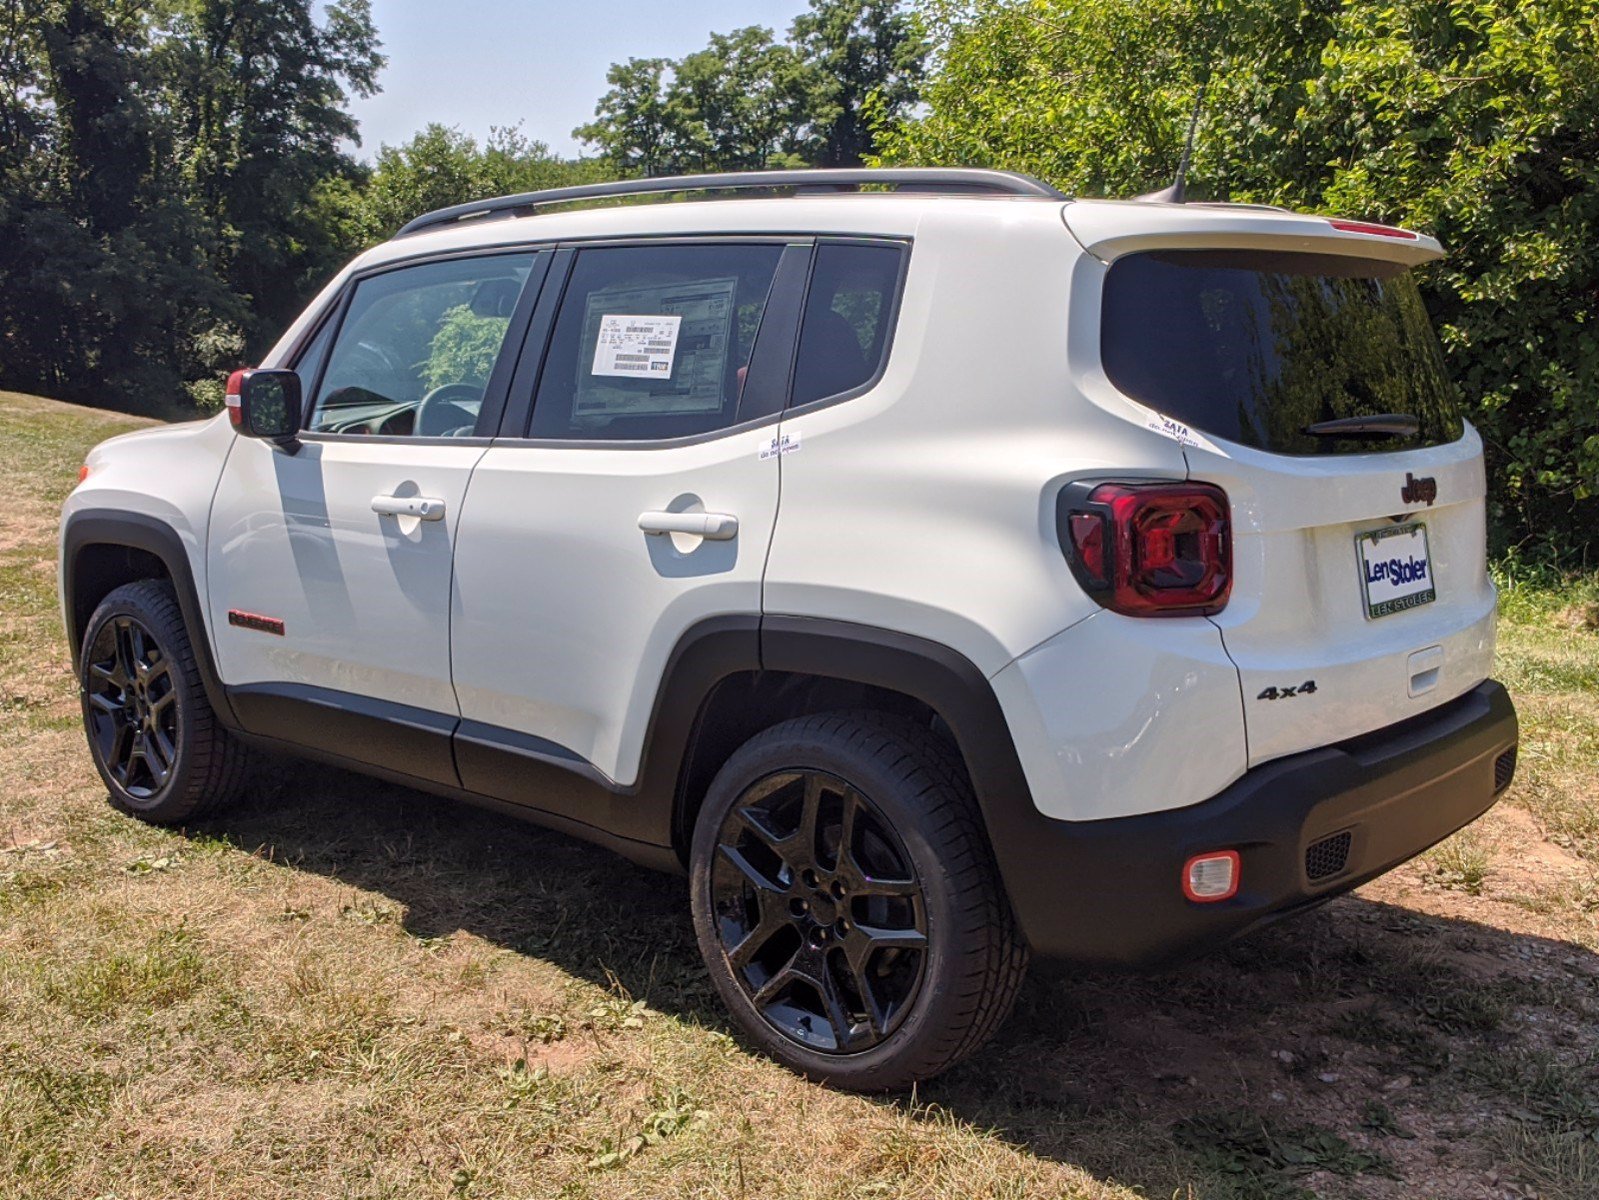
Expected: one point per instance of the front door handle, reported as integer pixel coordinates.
(713, 527)
(424, 508)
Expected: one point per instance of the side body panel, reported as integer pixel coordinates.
(927, 506)
(364, 599)
(566, 612)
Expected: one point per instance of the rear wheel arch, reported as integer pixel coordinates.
(811, 665)
(102, 550)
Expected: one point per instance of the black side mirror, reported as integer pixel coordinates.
(266, 405)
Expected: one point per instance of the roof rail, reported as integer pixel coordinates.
(959, 180)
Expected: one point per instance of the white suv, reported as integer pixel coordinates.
(937, 569)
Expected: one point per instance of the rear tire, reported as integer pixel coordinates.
(154, 738)
(868, 960)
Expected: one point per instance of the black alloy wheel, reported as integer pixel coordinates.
(160, 749)
(819, 911)
(132, 706)
(847, 904)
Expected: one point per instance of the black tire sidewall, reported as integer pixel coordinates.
(137, 601)
(898, 1059)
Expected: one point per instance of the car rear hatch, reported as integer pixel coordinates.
(1293, 358)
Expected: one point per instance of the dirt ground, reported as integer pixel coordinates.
(340, 988)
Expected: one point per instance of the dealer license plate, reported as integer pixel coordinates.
(1395, 569)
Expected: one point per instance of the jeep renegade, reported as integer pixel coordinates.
(936, 569)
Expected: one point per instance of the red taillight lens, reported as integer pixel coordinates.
(1368, 227)
(235, 407)
(1149, 549)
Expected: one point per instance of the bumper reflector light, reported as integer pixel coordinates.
(1210, 877)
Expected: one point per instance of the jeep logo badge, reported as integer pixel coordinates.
(1423, 489)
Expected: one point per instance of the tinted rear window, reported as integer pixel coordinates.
(1255, 346)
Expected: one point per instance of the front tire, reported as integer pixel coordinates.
(159, 748)
(847, 905)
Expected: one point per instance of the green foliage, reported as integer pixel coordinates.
(1478, 122)
(749, 102)
(154, 173)
(464, 348)
(866, 61)
(435, 169)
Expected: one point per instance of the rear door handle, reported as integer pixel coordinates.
(714, 527)
(424, 508)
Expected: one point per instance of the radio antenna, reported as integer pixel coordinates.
(1178, 191)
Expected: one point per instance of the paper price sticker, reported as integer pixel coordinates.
(636, 347)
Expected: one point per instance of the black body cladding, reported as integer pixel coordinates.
(1423, 778)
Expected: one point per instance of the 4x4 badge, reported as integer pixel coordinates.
(1425, 489)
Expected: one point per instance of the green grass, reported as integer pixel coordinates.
(342, 989)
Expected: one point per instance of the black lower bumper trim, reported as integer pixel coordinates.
(1110, 891)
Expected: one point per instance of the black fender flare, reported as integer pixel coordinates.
(139, 531)
(948, 683)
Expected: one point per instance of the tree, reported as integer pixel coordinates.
(737, 105)
(1478, 123)
(866, 63)
(106, 283)
(437, 168)
(632, 128)
(259, 88)
(157, 163)
(748, 102)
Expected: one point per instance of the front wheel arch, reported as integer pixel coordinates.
(102, 549)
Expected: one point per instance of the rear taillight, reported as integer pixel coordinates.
(1373, 230)
(235, 405)
(1149, 549)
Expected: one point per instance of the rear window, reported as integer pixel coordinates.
(1257, 346)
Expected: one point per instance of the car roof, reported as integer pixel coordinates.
(886, 214)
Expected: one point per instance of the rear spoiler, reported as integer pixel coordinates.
(1108, 229)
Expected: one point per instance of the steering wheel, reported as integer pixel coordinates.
(443, 411)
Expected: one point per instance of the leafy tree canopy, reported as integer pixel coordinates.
(748, 102)
(1476, 120)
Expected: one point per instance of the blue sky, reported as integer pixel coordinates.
(479, 63)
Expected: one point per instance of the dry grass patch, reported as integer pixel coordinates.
(344, 989)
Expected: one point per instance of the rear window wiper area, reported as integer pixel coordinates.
(1377, 424)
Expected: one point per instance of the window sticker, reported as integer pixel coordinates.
(776, 447)
(673, 360)
(636, 347)
(1178, 432)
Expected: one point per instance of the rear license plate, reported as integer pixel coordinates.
(1395, 569)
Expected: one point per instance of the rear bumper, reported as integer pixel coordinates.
(1109, 891)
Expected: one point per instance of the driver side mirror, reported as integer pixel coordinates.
(266, 404)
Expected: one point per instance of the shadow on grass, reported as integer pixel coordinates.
(1357, 1044)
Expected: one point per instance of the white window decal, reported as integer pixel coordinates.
(774, 447)
(636, 347)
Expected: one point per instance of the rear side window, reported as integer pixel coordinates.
(1256, 347)
(849, 314)
(653, 341)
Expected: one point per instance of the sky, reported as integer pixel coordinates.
(481, 63)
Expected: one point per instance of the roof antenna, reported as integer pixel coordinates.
(1178, 191)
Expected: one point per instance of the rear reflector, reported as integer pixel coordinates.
(1375, 230)
(1210, 877)
(1149, 549)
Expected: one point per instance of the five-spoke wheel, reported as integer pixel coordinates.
(847, 904)
(819, 910)
(132, 706)
(158, 746)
